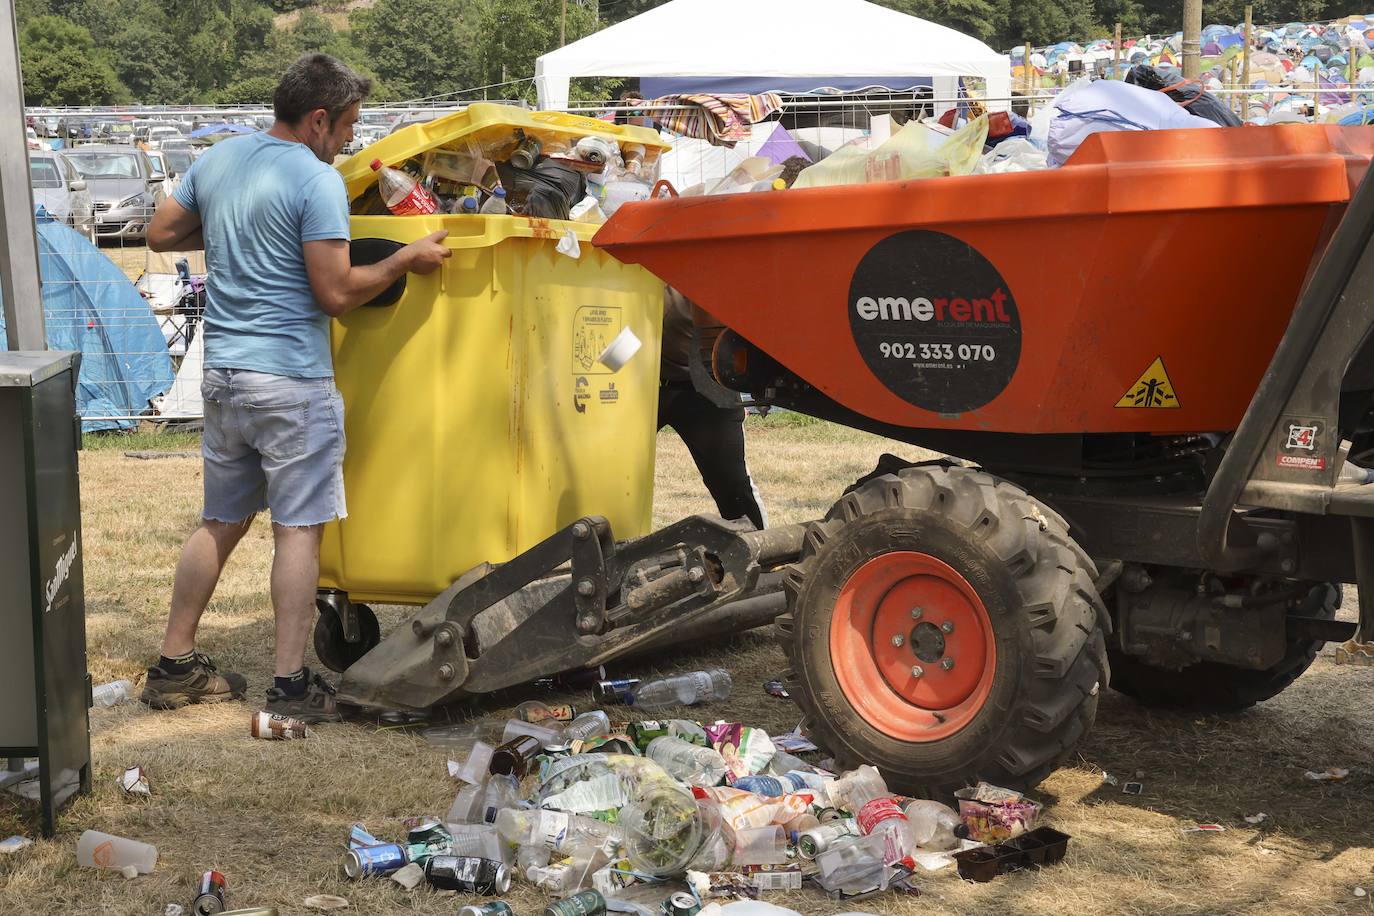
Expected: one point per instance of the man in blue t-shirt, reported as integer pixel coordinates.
(272, 216)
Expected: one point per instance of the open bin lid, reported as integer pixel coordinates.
(484, 121)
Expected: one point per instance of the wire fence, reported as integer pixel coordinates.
(137, 316)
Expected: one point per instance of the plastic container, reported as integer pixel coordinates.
(691, 763)
(481, 840)
(683, 689)
(544, 735)
(104, 850)
(501, 792)
(467, 807)
(495, 205)
(557, 831)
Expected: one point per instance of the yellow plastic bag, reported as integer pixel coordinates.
(912, 152)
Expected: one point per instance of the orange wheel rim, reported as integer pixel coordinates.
(912, 646)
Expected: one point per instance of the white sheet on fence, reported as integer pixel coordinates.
(183, 401)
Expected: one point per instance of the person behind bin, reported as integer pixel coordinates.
(272, 216)
(713, 435)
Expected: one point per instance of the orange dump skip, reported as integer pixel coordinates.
(1142, 287)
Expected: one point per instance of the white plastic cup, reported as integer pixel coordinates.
(474, 769)
(760, 846)
(104, 850)
(619, 351)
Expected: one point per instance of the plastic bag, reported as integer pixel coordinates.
(913, 152)
(1187, 94)
(548, 190)
(1015, 155)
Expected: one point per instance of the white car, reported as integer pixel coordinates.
(61, 191)
(158, 135)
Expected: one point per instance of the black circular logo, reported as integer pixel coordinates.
(934, 321)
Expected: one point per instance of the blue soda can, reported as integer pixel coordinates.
(767, 786)
(374, 860)
(357, 836)
(615, 692)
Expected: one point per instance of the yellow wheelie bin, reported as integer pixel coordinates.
(482, 412)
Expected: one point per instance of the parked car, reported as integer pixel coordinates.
(62, 191)
(124, 186)
(177, 159)
(159, 135)
(31, 139)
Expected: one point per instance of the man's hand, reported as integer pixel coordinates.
(428, 253)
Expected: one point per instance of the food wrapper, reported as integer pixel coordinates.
(134, 781)
(741, 810)
(746, 750)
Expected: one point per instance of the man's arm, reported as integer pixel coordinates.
(174, 228)
(340, 287)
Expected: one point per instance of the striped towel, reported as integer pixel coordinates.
(724, 120)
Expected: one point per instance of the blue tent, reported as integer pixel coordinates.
(89, 305)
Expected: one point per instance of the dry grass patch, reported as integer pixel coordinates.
(273, 816)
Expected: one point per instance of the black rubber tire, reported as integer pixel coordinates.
(334, 652)
(1036, 584)
(1214, 687)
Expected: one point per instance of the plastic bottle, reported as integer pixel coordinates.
(857, 865)
(586, 725)
(683, 689)
(104, 850)
(934, 826)
(1353, 473)
(113, 693)
(688, 730)
(856, 788)
(496, 204)
(882, 817)
(402, 194)
(688, 762)
(557, 831)
(467, 206)
(767, 786)
(782, 762)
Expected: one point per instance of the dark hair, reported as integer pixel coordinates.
(317, 81)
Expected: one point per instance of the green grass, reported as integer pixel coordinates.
(142, 440)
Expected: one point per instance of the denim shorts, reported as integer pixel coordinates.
(272, 442)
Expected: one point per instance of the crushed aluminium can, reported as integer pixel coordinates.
(134, 781)
(364, 861)
(276, 728)
(209, 894)
(587, 903)
(618, 691)
(358, 836)
(680, 903)
(470, 874)
(495, 908)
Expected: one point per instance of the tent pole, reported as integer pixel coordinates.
(1245, 66)
(20, 286)
(1116, 54)
(1192, 39)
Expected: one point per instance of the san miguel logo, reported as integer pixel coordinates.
(934, 321)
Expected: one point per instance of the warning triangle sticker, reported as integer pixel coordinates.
(1152, 389)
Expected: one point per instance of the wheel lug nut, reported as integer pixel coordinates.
(916, 613)
(917, 671)
(947, 663)
(586, 588)
(947, 626)
(898, 640)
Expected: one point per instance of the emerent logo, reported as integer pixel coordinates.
(60, 575)
(992, 310)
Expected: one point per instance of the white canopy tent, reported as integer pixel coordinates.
(786, 39)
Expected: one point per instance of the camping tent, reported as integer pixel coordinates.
(761, 45)
(89, 305)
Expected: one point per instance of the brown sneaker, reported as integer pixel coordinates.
(314, 706)
(203, 683)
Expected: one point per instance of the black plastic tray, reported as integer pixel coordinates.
(1035, 849)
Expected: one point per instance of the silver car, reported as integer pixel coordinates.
(61, 191)
(124, 186)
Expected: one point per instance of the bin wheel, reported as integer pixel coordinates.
(1214, 687)
(943, 626)
(335, 652)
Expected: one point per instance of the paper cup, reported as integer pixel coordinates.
(618, 353)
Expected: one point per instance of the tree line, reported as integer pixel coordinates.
(102, 52)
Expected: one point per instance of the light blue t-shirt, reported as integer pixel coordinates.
(259, 200)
